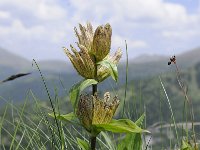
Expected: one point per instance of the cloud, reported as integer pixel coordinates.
(17, 28)
(158, 11)
(42, 9)
(34, 29)
(156, 15)
(120, 41)
(4, 15)
(181, 34)
(50, 23)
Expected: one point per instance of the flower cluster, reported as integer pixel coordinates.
(94, 47)
(93, 110)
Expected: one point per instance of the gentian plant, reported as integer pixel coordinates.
(94, 63)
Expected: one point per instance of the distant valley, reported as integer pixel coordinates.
(61, 76)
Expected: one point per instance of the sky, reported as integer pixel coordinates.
(38, 29)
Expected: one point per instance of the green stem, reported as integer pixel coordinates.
(93, 142)
(126, 84)
(94, 91)
(94, 86)
(93, 138)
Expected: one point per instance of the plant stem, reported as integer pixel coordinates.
(170, 107)
(93, 138)
(94, 91)
(189, 101)
(94, 86)
(93, 142)
(126, 84)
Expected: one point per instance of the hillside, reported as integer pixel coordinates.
(144, 92)
(149, 93)
(54, 72)
(11, 60)
(59, 73)
(151, 65)
(11, 63)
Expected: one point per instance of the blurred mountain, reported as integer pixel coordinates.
(189, 58)
(56, 66)
(10, 60)
(11, 63)
(150, 65)
(149, 92)
(60, 75)
(145, 58)
(144, 92)
(147, 95)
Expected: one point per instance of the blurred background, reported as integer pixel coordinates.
(154, 30)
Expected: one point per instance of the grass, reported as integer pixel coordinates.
(28, 126)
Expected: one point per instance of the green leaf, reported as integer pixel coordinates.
(83, 144)
(108, 141)
(186, 146)
(77, 88)
(132, 140)
(112, 68)
(140, 120)
(71, 117)
(120, 126)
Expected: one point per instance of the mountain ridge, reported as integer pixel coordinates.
(8, 59)
(59, 73)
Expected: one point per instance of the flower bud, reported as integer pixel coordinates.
(82, 62)
(85, 111)
(93, 110)
(104, 109)
(85, 37)
(102, 42)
